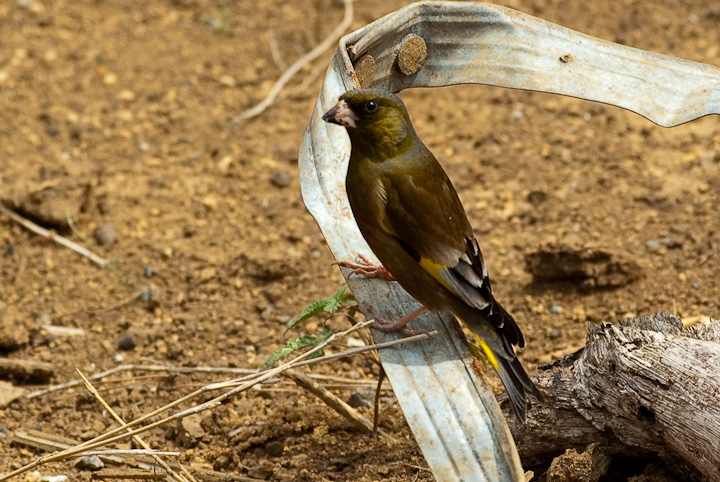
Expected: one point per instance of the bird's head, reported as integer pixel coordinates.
(372, 117)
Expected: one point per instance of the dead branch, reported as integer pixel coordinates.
(644, 386)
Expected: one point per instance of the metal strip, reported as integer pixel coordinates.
(451, 411)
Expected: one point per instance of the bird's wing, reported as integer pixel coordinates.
(424, 213)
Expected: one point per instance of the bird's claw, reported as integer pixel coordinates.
(398, 324)
(367, 269)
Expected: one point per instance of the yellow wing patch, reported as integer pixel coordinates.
(484, 347)
(488, 352)
(433, 268)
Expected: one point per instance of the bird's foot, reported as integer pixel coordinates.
(399, 324)
(367, 268)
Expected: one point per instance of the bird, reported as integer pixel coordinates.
(410, 214)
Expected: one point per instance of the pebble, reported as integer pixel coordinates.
(105, 234)
(127, 95)
(89, 462)
(555, 334)
(189, 431)
(146, 295)
(221, 462)
(275, 448)
(556, 309)
(148, 271)
(652, 245)
(363, 398)
(126, 343)
(280, 179)
(110, 79)
(228, 81)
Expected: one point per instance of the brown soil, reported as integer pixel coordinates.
(117, 112)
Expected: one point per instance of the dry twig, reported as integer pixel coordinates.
(332, 401)
(136, 438)
(274, 50)
(299, 64)
(46, 233)
(235, 386)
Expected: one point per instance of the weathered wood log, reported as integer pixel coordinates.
(640, 387)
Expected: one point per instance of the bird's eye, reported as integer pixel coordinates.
(371, 106)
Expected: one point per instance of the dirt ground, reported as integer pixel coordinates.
(118, 114)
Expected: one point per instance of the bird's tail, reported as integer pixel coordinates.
(496, 333)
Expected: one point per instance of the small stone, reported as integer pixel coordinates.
(110, 79)
(8, 394)
(221, 462)
(210, 201)
(275, 448)
(126, 343)
(126, 95)
(228, 81)
(189, 431)
(89, 462)
(146, 295)
(54, 478)
(148, 271)
(225, 163)
(208, 273)
(105, 234)
(555, 334)
(363, 398)
(652, 245)
(556, 309)
(280, 179)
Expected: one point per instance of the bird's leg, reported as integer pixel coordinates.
(400, 324)
(367, 269)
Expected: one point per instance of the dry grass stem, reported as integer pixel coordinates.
(332, 401)
(235, 386)
(239, 385)
(275, 50)
(119, 420)
(132, 452)
(329, 41)
(46, 233)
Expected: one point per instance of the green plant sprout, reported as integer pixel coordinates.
(340, 301)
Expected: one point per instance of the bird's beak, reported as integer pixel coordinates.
(341, 115)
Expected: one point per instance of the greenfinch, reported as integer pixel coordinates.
(411, 217)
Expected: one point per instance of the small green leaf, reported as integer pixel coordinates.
(295, 344)
(328, 305)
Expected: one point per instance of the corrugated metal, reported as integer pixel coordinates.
(451, 411)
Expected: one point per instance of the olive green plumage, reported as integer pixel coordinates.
(411, 217)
